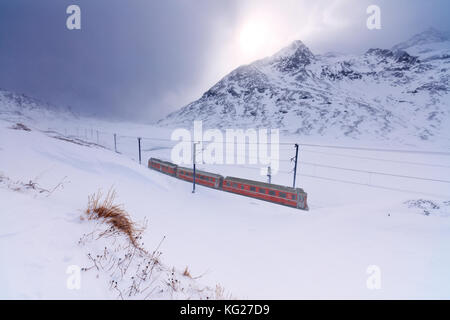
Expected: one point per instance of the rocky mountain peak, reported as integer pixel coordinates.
(293, 57)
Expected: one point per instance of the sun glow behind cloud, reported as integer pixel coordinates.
(264, 27)
(253, 37)
(258, 35)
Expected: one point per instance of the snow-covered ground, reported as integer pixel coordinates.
(253, 249)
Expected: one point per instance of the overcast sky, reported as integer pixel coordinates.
(141, 59)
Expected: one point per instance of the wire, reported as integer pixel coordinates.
(355, 170)
(380, 159)
(371, 185)
(300, 144)
(333, 147)
(376, 172)
(376, 149)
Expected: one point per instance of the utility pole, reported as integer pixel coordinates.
(98, 140)
(269, 174)
(195, 151)
(295, 167)
(115, 142)
(139, 145)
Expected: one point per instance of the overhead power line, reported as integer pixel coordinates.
(375, 172)
(379, 159)
(327, 146)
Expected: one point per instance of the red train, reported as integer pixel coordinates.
(291, 197)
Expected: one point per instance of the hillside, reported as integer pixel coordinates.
(253, 249)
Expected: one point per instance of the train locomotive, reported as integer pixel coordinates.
(287, 196)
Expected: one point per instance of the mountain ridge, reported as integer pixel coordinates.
(383, 93)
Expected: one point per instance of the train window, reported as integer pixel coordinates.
(282, 194)
(293, 196)
(234, 185)
(261, 190)
(252, 189)
(271, 192)
(242, 186)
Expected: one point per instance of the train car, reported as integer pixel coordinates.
(292, 197)
(203, 178)
(163, 166)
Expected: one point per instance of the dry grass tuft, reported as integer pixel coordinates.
(187, 273)
(133, 272)
(113, 214)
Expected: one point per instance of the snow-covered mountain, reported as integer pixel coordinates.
(400, 93)
(16, 107)
(429, 36)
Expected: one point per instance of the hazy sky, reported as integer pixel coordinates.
(141, 59)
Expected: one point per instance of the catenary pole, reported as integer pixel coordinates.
(139, 145)
(295, 166)
(195, 151)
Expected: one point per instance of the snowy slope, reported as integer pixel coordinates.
(400, 95)
(252, 249)
(44, 184)
(16, 106)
